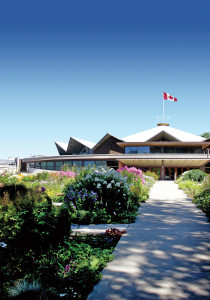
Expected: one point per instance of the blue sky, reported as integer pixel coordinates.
(84, 68)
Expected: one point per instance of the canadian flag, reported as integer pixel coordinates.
(167, 96)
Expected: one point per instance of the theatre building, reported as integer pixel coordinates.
(164, 150)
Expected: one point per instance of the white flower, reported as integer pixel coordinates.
(112, 181)
(104, 182)
(118, 184)
(98, 186)
(87, 176)
(109, 186)
(96, 179)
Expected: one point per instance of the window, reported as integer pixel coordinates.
(155, 149)
(50, 165)
(112, 163)
(143, 149)
(88, 163)
(181, 149)
(169, 150)
(68, 163)
(131, 150)
(37, 165)
(58, 165)
(100, 163)
(196, 150)
(43, 165)
(77, 163)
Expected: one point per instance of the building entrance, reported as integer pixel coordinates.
(169, 173)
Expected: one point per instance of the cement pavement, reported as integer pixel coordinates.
(164, 255)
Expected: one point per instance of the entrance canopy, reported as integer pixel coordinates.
(166, 162)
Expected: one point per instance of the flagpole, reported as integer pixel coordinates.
(163, 108)
(163, 111)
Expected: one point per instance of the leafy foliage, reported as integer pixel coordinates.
(194, 175)
(38, 256)
(202, 200)
(38, 259)
(104, 193)
(206, 135)
(6, 179)
(151, 174)
(199, 192)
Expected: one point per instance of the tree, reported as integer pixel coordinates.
(206, 135)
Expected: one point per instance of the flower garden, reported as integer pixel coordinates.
(40, 259)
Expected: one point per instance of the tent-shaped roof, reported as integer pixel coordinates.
(163, 132)
(75, 145)
(62, 147)
(104, 138)
(84, 143)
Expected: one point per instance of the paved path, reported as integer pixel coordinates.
(164, 255)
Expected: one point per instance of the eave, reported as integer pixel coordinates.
(199, 144)
(119, 157)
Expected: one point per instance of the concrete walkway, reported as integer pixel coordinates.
(164, 255)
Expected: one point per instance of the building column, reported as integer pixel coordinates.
(120, 165)
(202, 168)
(19, 166)
(169, 173)
(162, 173)
(176, 174)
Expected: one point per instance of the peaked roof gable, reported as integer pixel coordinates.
(84, 143)
(62, 147)
(104, 138)
(164, 132)
(75, 145)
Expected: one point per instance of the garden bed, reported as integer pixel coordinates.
(40, 256)
(68, 271)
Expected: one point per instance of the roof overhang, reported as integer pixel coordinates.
(182, 163)
(138, 160)
(178, 144)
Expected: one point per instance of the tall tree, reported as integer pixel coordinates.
(206, 135)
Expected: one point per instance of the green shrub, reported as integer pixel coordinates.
(104, 189)
(14, 190)
(202, 200)
(139, 191)
(195, 175)
(191, 188)
(8, 179)
(152, 174)
(28, 178)
(42, 176)
(199, 192)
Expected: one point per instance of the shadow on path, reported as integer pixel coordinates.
(164, 255)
